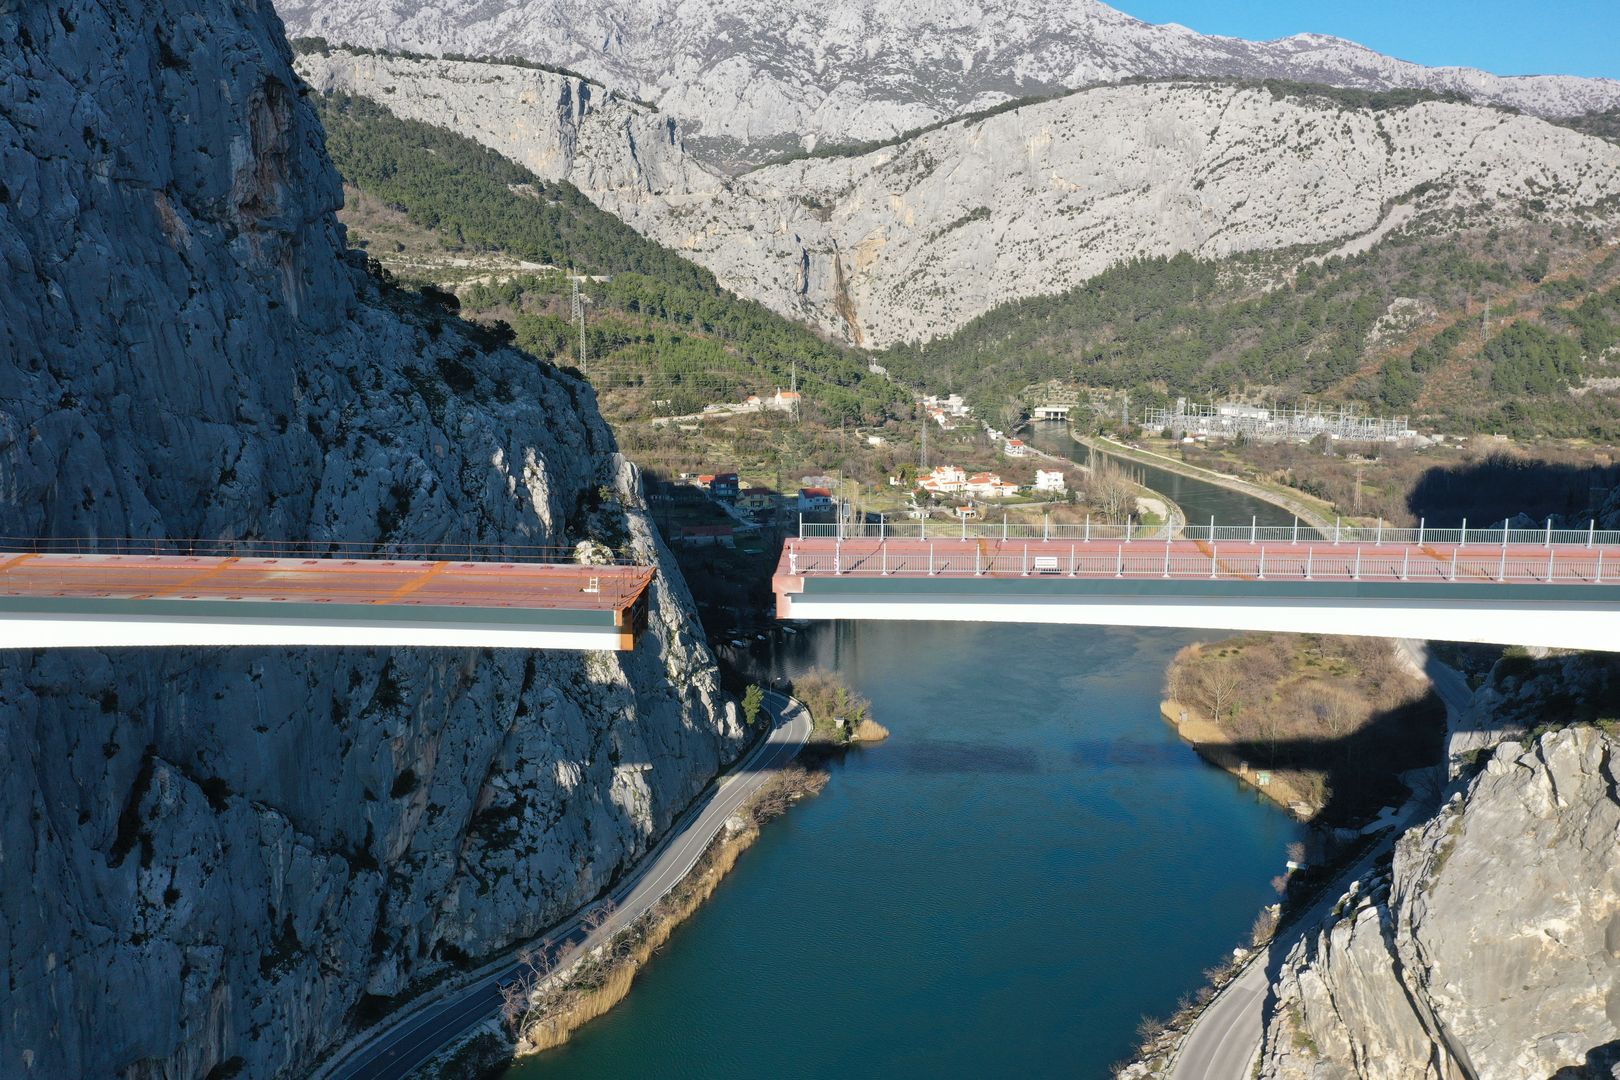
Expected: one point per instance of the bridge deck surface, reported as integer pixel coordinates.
(107, 599)
(346, 581)
(1306, 560)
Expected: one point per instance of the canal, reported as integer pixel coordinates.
(1031, 863)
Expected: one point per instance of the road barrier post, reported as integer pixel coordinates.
(1088, 528)
(1464, 538)
(1598, 579)
(1548, 541)
(1119, 570)
(930, 560)
(1550, 555)
(1214, 553)
(1262, 574)
(1073, 566)
(1406, 562)
(1379, 542)
(1308, 553)
(1590, 529)
(1167, 556)
(1454, 561)
(1295, 540)
(1501, 571)
(1254, 529)
(1356, 574)
(1421, 522)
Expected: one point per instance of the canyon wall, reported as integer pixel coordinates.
(909, 242)
(222, 858)
(749, 78)
(1488, 950)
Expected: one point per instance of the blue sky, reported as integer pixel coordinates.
(1548, 37)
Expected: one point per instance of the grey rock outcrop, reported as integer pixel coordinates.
(749, 78)
(213, 856)
(557, 127)
(1491, 948)
(911, 241)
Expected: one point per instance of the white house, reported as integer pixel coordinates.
(1050, 480)
(990, 486)
(815, 499)
(944, 478)
(1016, 448)
(783, 401)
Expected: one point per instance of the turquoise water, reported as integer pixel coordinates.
(1003, 888)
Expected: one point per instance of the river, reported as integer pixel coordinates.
(1197, 499)
(1027, 866)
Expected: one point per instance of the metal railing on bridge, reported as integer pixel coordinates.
(1307, 561)
(534, 555)
(1253, 533)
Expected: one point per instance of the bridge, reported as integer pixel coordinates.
(1524, 587)
(191, 593)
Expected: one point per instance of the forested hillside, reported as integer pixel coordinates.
(1398, 328)
(661, 334)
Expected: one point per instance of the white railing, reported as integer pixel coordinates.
(1313, 561)
(1253, 533)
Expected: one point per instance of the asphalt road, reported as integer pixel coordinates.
(405, 1045)
(1223, 1043)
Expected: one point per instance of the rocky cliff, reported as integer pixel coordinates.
(1489, 950)
(619, 152)
(218, 859)
(911, 241)
(749, 78)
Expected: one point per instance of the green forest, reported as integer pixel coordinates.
(1167, 327)
(661, 322)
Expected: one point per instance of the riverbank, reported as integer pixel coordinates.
(438, 1025)
(1310, 514)
(1223, 750)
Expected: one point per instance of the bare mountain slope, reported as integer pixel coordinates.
(748, 78)
(910, 241)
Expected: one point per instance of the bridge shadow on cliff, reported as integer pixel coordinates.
(1502, 486)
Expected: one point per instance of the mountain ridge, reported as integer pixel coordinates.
(756, 79)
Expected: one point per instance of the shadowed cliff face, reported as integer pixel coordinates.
(218, 854)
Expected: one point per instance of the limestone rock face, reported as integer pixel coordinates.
(557, 127)
(911, 241)
(211, 856)
(751, 77)
(1490, 950)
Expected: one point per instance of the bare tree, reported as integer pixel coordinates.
(1111, 491)
(1216, 685)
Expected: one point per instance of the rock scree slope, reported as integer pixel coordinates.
(216, 861)
(754, 77)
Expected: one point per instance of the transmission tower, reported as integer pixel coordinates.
(579, 317)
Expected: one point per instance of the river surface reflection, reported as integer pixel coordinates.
(1029, 864)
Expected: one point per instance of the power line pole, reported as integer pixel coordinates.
(925, 439)
(579, 317)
